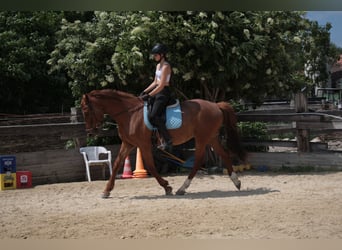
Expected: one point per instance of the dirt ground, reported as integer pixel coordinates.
(269, 206)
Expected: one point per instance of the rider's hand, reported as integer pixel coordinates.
(144, 97)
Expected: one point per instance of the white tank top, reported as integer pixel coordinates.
(159, 72)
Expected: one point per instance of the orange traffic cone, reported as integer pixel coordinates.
(139, 171)
(127, 171)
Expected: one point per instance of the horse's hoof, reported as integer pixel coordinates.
(180, 192)
(238, 185)
(168, 190)
(235, 180)
(105, 195)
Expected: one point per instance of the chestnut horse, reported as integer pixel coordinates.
(201, 120)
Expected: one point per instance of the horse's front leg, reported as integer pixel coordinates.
(149, 164)
(125, 149)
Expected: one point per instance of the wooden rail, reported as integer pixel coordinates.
(60, 165)
(64, 129)
(308, 121)
(303, 123)
(289, 117)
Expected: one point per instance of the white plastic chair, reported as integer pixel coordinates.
(91, 156)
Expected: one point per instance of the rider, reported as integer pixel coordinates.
(158, 93)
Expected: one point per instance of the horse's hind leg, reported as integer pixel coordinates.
(228, 161)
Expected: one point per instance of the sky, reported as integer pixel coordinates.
(333, 17)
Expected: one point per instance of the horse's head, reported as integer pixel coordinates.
(93, 116)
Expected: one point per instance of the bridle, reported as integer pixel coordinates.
(91, 113)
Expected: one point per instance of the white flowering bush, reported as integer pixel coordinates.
(215, 55)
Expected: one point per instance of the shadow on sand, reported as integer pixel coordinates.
(211, 194)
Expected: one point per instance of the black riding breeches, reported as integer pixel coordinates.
(157, 115)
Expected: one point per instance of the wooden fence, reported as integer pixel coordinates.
(53, 165)
(311, 123)
(60, 165)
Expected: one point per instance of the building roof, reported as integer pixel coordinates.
(337, 66)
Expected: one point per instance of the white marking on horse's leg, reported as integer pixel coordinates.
(185, 185)
(235, 180)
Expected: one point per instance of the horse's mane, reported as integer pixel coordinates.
(113, 94)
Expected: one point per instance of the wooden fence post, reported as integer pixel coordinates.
(75, 117)
(303, 135)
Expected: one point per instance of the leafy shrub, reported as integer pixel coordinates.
(254, 131)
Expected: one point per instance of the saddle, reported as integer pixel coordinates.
(173, 116)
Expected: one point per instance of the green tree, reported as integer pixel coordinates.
(84, 52)
(215, 55)
(317, 50)
(26, 40)
(334, 53)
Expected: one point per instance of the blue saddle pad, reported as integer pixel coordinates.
(173, 116)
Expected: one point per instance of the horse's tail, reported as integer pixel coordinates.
(234, 143)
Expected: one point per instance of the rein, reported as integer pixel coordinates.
(128, 110)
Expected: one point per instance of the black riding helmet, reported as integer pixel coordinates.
(159, 49)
